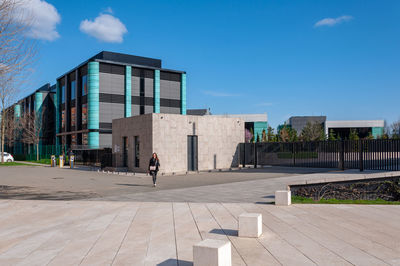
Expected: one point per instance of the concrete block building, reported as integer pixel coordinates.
(110, 86)
(182, 142)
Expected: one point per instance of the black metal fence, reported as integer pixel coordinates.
(94, 157)
(348, 154)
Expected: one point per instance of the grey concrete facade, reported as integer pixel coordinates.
(167, 135)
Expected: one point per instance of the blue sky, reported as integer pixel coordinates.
(334, 58)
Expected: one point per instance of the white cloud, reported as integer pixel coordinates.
(41, 18)
(108, 10)
(266, 104)
(220, 94)
(332, 21)
(105, 27)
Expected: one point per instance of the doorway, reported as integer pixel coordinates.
(192, 150)
(125, 152)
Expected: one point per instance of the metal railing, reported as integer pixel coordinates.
(348, 154)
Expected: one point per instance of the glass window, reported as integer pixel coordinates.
(73, 139)
(84, 139)
(84, 114)
(63, 120)
(63, 94)
(84, 85)
(73, 116)
(73, 90)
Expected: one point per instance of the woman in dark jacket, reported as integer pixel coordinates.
(154, 164)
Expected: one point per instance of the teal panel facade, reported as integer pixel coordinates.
(157, 91)
(377, 131)
(17, 147)
(93, 104)
(128, 91)
(56, 101)
(17, 111)
(183, 94)
(38, 114)
(38, 102)
(258, 129)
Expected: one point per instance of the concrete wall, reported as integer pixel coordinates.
(166, 134)
(130, 127)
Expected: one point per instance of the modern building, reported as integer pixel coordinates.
(299, 122)
(198, 111)
(341, 129)
(110, 86)
(183, 142)
(39, 108)
(364, 128)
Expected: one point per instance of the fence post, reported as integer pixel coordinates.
(244, 155)
(341, 155)
(360, 158)
(255, 155)
(294, 153)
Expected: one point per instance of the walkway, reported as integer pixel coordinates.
(155, 233)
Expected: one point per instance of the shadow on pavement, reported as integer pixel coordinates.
(134, 185)
(228, 232)
(175, 262)
(28, 193)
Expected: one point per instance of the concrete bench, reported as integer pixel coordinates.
(283, 197)
(250, 225)
(212, 252)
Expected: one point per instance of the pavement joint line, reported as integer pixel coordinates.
(126, 233)
(258, 240)
(176, 244)
(229, 238)
(318, 242)
(334, 236)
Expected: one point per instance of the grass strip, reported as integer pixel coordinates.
(14, 164)
(303, 200)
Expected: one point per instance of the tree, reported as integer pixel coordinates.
(395, 129)
(247, 135)
(370, 136)
(284, 134)
(32, 128)
(313, 132)
(270, 134)
(264, 136)
(331, 135)
(252, 135)
(353, 135)
(292, 134)
(16, 54)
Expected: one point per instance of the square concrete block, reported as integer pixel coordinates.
(283, 197)
(212, 252)
(250, 225)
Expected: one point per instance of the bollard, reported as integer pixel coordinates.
(250, 225)
(61, 161)
(212, 252)
(283, 197)
(53, 161)
(71, 161)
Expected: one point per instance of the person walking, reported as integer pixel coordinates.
(154, 165)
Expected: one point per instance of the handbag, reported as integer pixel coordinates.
(152, 168)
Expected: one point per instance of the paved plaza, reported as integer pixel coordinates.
(161, 233)
(46, 183)
(72, 217)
